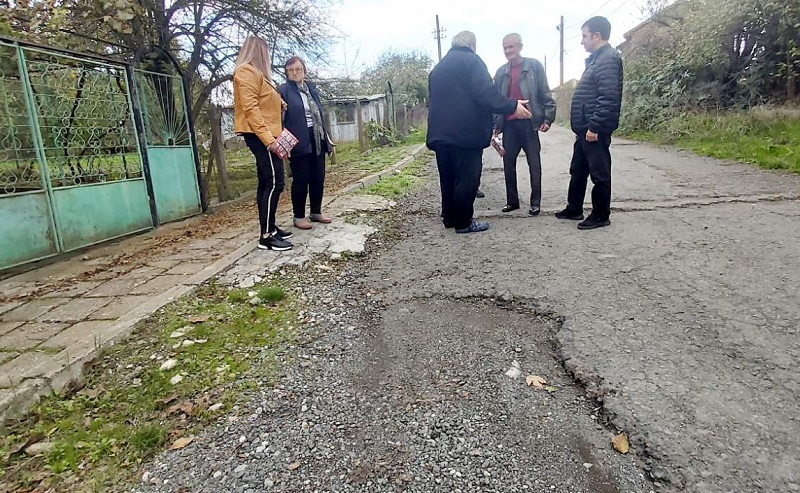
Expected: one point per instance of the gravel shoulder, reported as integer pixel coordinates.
(391, 393)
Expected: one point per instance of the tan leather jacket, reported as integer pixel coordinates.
(256, 105)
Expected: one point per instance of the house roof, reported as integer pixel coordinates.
(666, 10)
(353, 99)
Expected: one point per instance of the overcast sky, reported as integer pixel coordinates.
(370, 27)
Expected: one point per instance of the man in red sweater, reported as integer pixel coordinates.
(523, 79)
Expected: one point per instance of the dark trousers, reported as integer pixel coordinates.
(308, 180)
(519, 134)
(271, 182)
(591, 159)
(459, 177)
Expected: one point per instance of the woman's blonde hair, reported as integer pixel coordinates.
(255, 51)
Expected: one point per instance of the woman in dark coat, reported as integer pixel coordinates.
(305, 118)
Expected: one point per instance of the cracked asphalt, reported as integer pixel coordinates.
(682, 316)
(681, 319)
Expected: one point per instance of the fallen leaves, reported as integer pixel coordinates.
(539, 383)
(536, 382)
(19, 447)
(181, 443)
(198, 319)
(294, 466)
(621, 443)
(185, 407)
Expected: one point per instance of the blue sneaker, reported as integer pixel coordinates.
(474, 227)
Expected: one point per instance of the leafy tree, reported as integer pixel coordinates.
(717, 54)
(407, 72)
(203, 36)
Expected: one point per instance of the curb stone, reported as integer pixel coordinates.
(376, 177)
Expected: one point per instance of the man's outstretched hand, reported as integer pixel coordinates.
(522, 112)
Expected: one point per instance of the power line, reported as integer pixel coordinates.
(590, 15)
(597, 11)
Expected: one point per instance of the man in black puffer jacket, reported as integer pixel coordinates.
(462, 102)
(594, 116)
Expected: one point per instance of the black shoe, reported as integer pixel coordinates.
(285, 235)
(570, 214)
(534, 211)
(509, 208)
(474, 227)
(593, 222)
(480, 194)
(274, 242)
(448, 225)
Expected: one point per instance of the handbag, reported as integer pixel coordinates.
(284, 143)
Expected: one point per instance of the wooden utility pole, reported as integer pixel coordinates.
(438, 34)
(561, 51)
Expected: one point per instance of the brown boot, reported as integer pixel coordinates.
(319, 218)
(302, 223)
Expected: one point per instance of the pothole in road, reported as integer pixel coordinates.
(434, 373)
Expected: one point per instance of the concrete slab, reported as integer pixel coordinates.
(75, 310)
(30, 335)
(9, 305)
(6, 327)
(92, 332)
(32, 309)
(117, 307)
(208, 244)
(6, 356)
(146, 271)
(76, 289)
(29, 365)
(182, 255)
(164, 264)
(116, 287)
(186, 268)
(159, 284)
(17, 288)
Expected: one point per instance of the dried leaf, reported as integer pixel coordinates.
(294, 466)
(536, 381)
(181, 443)
(185, 407)
(166, 401)
(550, 389)
(198, 319)
(19, 447)
(620, 443)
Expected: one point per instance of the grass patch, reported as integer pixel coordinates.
(130, 409)
(769, 138)
(400, 184)
(273, 294)
(349, 160)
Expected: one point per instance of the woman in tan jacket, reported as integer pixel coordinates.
(257, 117)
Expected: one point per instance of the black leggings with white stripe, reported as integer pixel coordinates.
(271, 182)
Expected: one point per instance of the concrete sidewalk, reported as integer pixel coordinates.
(54, 319)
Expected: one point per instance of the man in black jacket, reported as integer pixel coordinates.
(594, 116)
(523, 78)
(462, 102)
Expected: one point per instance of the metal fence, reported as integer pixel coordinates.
(90, 150)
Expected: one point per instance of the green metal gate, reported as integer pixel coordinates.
(73, 169)
(170, 150)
